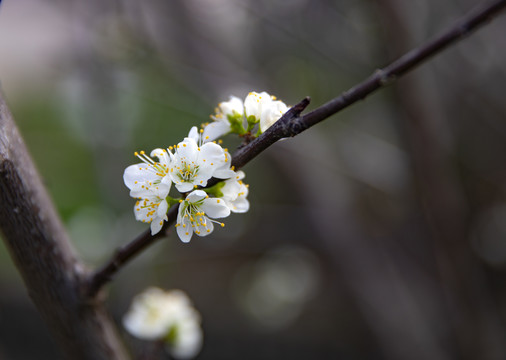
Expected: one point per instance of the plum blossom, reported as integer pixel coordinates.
(192, 164)
(227, 113)
(263, 108)
(197, 213)
(152, 206)
(150, 184)
(156, 314)
(234, 193)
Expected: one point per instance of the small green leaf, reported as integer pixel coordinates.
(215, 189)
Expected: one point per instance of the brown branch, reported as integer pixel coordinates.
(127, 252)
(39, 246)
(292, 124)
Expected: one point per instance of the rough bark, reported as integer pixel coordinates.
(41, 250)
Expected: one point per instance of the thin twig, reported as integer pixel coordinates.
(292, 124)
(124, 254)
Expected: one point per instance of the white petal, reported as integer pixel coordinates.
(271, 113)
(240, 205)
(216, 130)
(252, 105)
(162, 156)
(187, 150)
(240, 175)
(138, 174)
(183, 187)
(156, 226)
(184, 233)
(211, 152)
(215, 208)
(194, 134)
(231, 190)
(161, 212)
(205, 230)
(140, 212)
(224, 174)
(196, 195)
(233, 105)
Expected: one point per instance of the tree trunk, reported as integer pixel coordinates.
(40, 248)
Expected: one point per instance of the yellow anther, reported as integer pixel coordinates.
(142, 152)
(222, 225)
(180, 201)
(136, 153)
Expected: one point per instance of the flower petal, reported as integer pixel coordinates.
(194, 134)
(215, 208)
(240, 205)
(156, 226)
(184, 233)
(136, 175)
(216, 130)
(196, 195)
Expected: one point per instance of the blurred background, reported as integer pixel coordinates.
(378, 234)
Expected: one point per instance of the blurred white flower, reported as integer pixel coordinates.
(169, 316)
(196, 214)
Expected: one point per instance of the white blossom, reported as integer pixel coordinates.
(263, 108)
(192, 164)
(152, 207)
(150, 183)
(196, 214)
(225, 112)
(166, 315)
(234, 193)
(149, 173)
(271, 114)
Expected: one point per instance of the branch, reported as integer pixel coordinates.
(40, 248)
(292, 124)
(127, 252)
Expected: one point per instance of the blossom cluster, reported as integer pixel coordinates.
(168, 316)
(192, 163)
